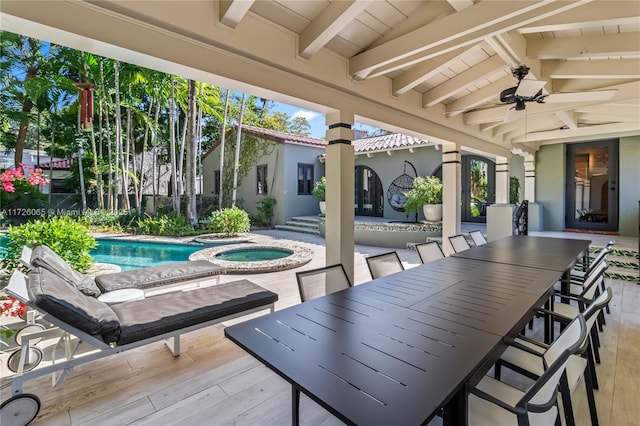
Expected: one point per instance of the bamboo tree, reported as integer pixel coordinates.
(237, 158)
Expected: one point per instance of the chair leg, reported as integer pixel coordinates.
(497, 369)
(593, 412)
(595, 344)
(566, 401)
(591, 365)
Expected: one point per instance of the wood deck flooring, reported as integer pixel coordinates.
(214, 382)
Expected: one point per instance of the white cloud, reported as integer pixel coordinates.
(309, 115)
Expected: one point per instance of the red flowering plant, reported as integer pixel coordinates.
(19, 189)
(10, 307)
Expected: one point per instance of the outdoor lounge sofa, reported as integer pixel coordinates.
(109, 329)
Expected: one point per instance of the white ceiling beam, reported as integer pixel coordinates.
(462, 80)
(613, 117)
(520, 125)
(468, 26)
(596, 69)
(594, 14)
(333, 19)
(623, 44)
(480, 96)
(568, 118)
(580, 132)
(459, 5)
(425, 70)
(231, 12)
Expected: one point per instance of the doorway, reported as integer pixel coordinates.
(369, 200)
(592, 186)
(478, 187)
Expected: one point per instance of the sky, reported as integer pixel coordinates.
(315, 119)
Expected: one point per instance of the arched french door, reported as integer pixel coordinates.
(369, 199)
(478, 187)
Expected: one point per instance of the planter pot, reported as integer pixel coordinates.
(432, 212)
(323, 207)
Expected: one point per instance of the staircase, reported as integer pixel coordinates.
(305, 225)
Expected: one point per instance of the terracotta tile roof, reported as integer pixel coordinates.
(387, 142)
(282, 137)
(64, 164)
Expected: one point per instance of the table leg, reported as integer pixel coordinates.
(295, 406)
(455, 412)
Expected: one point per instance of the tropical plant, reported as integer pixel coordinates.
(230, 222)
(265, 206)
(319, 189)
(425, 190)
(514, 190)
(69, 238)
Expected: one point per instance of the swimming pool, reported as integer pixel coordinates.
(139, 254)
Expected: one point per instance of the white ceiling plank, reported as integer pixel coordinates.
(459, 5)
(568, 118)
(580, 132)
(328, 24)
(458, 83)
(467, 26)
(232, 11)
(585, 47)
(425, 70)
(487, 93)
(592, 14)
(596, 69)
(521, 124)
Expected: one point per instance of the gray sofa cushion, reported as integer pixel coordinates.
(158, 275)
(56, 297)
(166, 312)
(46, 258)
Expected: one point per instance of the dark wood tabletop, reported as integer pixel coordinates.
(398, 349)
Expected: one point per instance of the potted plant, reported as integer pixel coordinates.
(426, 194)
(318, 191)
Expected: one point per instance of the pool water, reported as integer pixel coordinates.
(135, 254)
(254, 254)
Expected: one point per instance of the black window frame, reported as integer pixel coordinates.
(261, 187)
(216, 182)
(305, 186)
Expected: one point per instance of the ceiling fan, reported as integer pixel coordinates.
(529, 90)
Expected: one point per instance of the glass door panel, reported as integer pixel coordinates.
(592, 186)
(478, 187)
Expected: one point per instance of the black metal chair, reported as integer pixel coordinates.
(459, 243)
(384, 264)
(321, 281)
(478, 237)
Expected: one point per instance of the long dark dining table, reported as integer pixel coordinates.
(399, 349)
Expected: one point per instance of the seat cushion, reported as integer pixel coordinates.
(44, 257)
(167, 312)
(53, 295)
(158, 275)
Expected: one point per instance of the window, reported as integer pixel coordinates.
(216, 182)
(305, 179)
(261, 179)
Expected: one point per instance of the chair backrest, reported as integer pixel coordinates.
(459, 243)
(591, 313)
(25, 257)
(318, 282)
(429, 251)
(384, 264)
(478, 237)
(591, 281)
(601, 256)
(542, 395)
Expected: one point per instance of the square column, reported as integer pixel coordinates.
(339, 171)
(535, 210)
(451, 194)
(500, 214)
(502, 180)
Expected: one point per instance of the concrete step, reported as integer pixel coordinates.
(301, 224)
(306, 219)
(303, 230)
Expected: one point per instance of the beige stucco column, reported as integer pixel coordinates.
(500, 214)
(502, 180)
(339, 170)
(530, 177)
(451, 193)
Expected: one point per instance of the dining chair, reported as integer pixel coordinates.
(318, 282)
(429, 251)
(492, 402)
(525, 356)
(459, 243)
(478, 237)
(384, 264)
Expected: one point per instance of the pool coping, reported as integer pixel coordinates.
(301, 255)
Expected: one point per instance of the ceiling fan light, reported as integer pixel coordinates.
(519, 105)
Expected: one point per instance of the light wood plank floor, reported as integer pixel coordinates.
(213, 382)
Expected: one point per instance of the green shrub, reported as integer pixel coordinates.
(265, 206)
(230, 222)
(170, 225)
(319, 189)
(426, 190)
(69, 238)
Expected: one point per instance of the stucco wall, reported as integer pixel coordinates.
(294, 204)
(550, 185)
(629, 188)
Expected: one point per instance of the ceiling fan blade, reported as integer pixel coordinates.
(528, 88)
(601, 95)
(513, 114)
